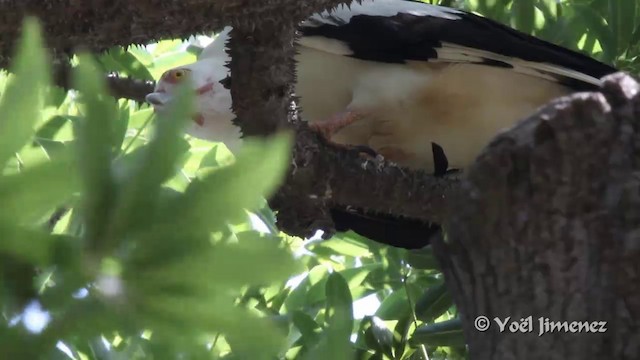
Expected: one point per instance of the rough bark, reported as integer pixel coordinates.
(546, 224)
(97, 25)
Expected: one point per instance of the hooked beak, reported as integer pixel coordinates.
(157, 99)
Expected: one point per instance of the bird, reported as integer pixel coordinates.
(410, 80)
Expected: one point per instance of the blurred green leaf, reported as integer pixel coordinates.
(258, 170)
(524, 15)
(24, 94)
(29, 245)
(597, 25)
(190, 315)
(231, 265)
(94, 151)
(28, 196)
(120, 126)
(51, 127)
(118, 59)
(154, 165)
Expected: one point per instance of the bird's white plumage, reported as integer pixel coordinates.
(450, 100)
(343, 13)
(216, 50)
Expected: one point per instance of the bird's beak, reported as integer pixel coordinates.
(157, 99)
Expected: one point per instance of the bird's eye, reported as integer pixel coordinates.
(174, 76)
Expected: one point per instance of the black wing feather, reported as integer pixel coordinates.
(402, 37)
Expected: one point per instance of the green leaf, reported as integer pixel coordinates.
(340, 317)
(52, 148)
(120, 126)
(353, 276)
(524, 15)
(141, 54)
(94, 138)
(23, 97)
(29, 195)
(433, 303)
(378, 336)
(52, 126)
(422, 259)
(225, 193)
(445, 333)
(276, 302)
(394, 306)
(597, 25)
(336, 343)
(117, 59)
(186, 316)
(254, 260)
(627, 19)
(156, 163)
(298, 297)
(309, 328)
(29, 245)
(344, 245)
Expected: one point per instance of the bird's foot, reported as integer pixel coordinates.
(361, 150)
(329, 127)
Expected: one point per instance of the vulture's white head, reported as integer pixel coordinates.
(213, 115)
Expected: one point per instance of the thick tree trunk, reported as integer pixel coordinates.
(547, 224)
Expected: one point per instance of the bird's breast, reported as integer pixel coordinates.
(461, 107)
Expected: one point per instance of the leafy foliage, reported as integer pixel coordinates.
(122, 240)
(145, 255)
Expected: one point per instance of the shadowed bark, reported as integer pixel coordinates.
(547, 224)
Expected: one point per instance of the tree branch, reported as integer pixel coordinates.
(98, 25)
(546, 225)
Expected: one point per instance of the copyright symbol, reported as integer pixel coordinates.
(481, 323)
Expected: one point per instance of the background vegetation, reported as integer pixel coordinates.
(120, 239)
